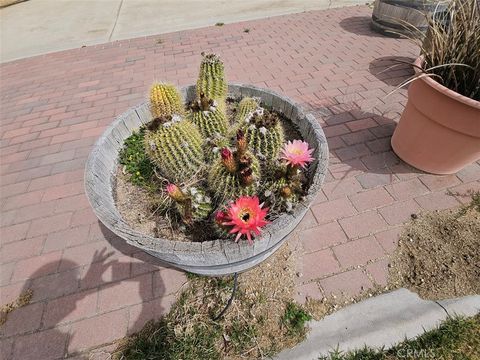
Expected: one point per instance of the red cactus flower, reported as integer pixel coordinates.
(247, 217)
(297, 153)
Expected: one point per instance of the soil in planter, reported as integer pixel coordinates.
(138, 205)
(438, 254)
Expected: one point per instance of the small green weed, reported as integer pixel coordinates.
(135, 160)
(295, 318)
(219, 24)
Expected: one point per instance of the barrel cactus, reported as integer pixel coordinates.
(175, 146)
(265, 134)
(235, 173)
(209, 118)
(282, 193)
(165, 100)
(211, 80)
(193, 204)
(245, 108)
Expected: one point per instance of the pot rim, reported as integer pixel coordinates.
(443, 89)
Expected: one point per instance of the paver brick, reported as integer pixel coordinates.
(318, 264)
(379, 271)
(349, 283)
(332, 210)
(70, 308)
(128, 292)
(371, 199)
(358, 252)
(408, 189)
(49, 224)
(108, 327)
(322, 236)
(48, 344)
(470, 173)
(340, 188)
(437, 201)
(307, 291)
(140, 314)
(363, 224)
(13, 233)
(399, 212)
(389, 239)
(373, 179)
(21, 249)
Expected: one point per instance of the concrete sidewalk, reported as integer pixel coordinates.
(41, 26)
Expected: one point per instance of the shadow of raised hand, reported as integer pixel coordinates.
(98, 266)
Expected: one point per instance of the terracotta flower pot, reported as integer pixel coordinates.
(439, 131)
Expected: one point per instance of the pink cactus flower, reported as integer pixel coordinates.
(247, 217)
(297, 153)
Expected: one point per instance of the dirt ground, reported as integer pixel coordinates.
(438, 255)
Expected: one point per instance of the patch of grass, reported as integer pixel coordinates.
(135, 161)
(295, 318)
(257, 324)
(457, 338)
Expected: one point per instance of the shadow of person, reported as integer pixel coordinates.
(359, 25)
(392, 70)
(69, 298)
(126, 249)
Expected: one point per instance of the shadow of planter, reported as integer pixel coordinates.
(392, 70)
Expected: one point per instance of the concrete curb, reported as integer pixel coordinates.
(382, 320)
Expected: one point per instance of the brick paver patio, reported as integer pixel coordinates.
(89, 287)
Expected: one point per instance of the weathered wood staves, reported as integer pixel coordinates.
(217, 257)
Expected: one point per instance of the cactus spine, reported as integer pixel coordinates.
(210, 120)
(265, 134)
(165, 100)
(193, 204)
(235, 173)
(211, 80)
(175, 146)
(245, 108)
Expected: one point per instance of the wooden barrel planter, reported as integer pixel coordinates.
(391, 17)
(219, 257)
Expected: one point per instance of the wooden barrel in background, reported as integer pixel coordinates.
(398, 17)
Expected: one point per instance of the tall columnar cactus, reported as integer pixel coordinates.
(165, 100)
(245, 108)
(193, 204)
(209, 118)
(235, 173)
(175, 146)
(265, 134)
(211, 80)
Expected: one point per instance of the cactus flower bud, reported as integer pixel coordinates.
(175, 193)
(242, 145)
(228, 160)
